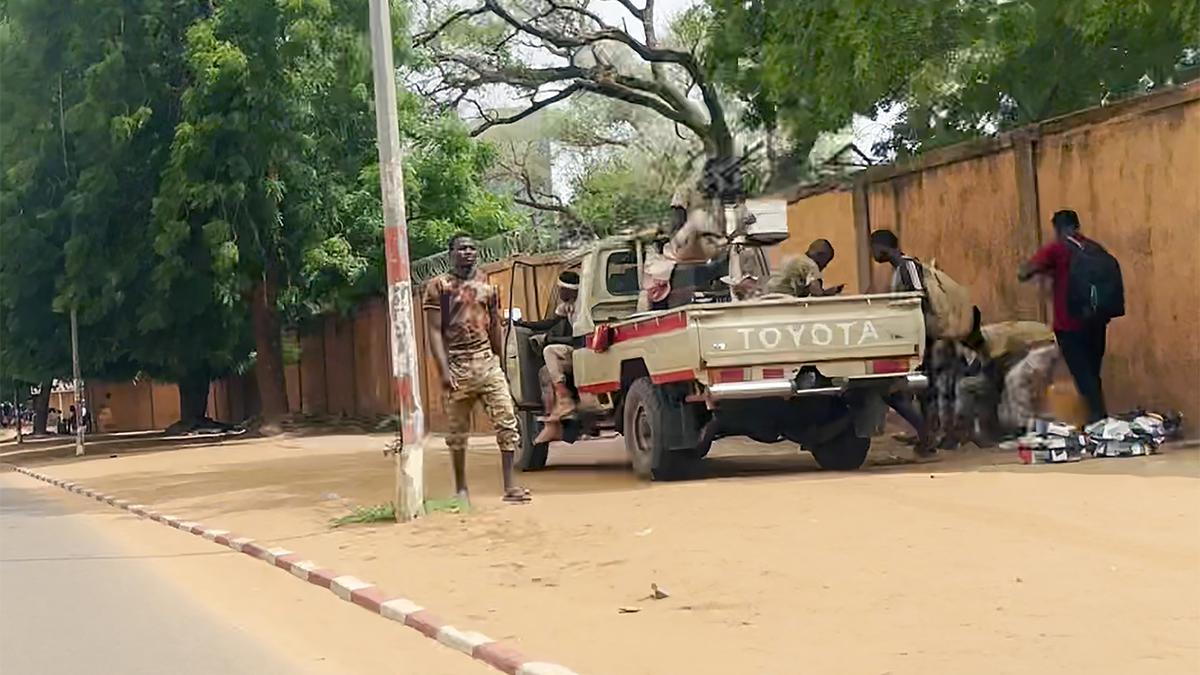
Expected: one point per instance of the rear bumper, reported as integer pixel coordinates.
(784, 388)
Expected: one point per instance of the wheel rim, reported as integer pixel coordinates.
(643, 436)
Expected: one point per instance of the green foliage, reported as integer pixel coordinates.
(380, 513)
(1040, 58)
(959, 68)
(164, 157)
(84, 122)
(618, 195)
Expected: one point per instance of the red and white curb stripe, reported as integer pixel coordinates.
(370, 597)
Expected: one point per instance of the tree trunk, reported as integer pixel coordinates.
(268, 364)
(193, 399)
(41, 408)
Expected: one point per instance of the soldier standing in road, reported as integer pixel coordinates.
(462, 322)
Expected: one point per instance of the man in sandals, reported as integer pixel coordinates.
(463, 327)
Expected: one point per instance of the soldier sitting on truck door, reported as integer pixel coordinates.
(801, 276)
(558, 336)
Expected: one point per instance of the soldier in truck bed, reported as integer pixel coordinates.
(801, 276)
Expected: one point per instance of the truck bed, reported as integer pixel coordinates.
(768, 338)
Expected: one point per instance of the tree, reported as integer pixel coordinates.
(1042, 58)
(958, 69)
(273, 169)
(498, 42)
(84, 123)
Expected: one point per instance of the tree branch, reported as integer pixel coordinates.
(422, 39)
(535, 106)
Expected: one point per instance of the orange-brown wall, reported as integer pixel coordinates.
(829, 215)
(1135, 183)
(964, 217)
(1131, 170)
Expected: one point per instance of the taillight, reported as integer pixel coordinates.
(730, 375)
(885, 366)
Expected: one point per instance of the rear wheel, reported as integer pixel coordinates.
(844, 452)
(530, 456)
(646, 416)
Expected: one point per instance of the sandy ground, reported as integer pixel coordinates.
(972, 564)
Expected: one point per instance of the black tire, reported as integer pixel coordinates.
(646, 416)
(845, 452)
(530, 456)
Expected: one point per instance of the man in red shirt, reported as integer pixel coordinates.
(1082, 342)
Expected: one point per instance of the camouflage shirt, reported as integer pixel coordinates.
(467, 307)
(796, 275)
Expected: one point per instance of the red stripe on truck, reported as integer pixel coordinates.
(674, 376)
(599, 387)
(645, 328)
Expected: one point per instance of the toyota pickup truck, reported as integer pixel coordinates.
(809, 371)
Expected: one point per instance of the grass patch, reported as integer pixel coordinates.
(380, 513)
(448, 505)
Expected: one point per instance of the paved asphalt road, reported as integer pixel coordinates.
(72, 602)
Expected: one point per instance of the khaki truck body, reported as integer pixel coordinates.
(812, 371)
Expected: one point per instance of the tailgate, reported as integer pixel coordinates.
(812, 330)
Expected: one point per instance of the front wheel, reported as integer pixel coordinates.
(844, 452)
(646, 416)
(530, 456)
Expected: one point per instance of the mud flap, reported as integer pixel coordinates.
(683, 429)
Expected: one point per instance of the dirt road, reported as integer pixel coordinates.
(973, 564)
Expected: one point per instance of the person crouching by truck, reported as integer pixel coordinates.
(557, 333)
(1004, 381)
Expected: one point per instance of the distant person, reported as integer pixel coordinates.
(462, 323)
(801, 275)
(1088, 292)
(557, 335)
(104, 416)
(72, 420)
(54, 422)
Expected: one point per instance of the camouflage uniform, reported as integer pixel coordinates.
(467, 308)
(795, 276)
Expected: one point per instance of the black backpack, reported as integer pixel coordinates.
(1095, 290)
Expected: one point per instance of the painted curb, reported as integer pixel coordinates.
(499, 655)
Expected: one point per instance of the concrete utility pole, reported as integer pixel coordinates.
(410, 454)
(78, 384)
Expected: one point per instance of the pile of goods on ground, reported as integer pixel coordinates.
(1129, 435)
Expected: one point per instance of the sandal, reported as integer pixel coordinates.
(517, 496)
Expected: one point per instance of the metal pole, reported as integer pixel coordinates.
(78, 384)
(408, 451)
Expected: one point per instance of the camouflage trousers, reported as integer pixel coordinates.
(477, 377)
(558, 362)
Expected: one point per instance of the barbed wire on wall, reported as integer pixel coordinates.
(492, 249)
